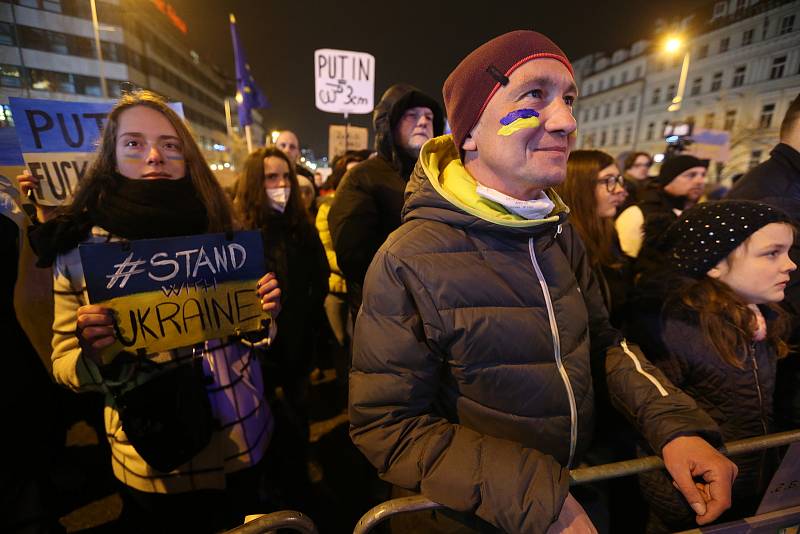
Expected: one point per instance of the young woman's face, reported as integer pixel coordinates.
(276, 173)
(609, 201)
(758, 270)
(148, 147)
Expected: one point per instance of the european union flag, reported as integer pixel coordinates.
(248, 94)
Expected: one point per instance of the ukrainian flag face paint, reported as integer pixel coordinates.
(519, 119)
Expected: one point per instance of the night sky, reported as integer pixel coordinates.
(414, 41)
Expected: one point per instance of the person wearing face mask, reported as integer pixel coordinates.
(709, 318)
(370, 197)
(679, 185)
(149, 180)
(268, 198)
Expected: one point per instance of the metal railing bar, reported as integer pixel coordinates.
(284, 519)
(415, 503)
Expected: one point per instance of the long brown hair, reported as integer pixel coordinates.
(98, 181)
(578, 192)
(251, 201)
(726, 321)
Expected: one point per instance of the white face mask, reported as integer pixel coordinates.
(279, 196)
(537, 208)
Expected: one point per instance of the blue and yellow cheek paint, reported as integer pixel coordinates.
(519, 119)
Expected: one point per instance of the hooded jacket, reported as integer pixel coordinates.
(471, 378)
(368, 202)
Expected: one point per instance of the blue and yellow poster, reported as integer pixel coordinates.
(175, 292)
(58, 141)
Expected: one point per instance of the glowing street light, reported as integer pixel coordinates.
(672, 45)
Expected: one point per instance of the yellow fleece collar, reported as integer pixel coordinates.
(444, 169)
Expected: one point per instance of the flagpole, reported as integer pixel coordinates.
(249, 136)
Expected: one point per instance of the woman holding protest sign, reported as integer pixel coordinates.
(149, 180)
(268, 198)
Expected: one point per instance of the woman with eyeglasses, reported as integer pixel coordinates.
(594, 190)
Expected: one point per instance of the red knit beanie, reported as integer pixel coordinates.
(475, 80)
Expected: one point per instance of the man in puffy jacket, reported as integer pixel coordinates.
(369, 199)
(472, 376)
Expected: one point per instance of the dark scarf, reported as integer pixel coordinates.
(131, 209)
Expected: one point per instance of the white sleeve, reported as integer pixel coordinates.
(630, 229)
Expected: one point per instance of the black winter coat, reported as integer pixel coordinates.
(739, 400)
(297, 257)
(471, 378)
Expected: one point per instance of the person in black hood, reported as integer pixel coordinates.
(369, 199)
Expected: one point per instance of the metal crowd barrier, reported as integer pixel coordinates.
(416, 503)
(269, 522)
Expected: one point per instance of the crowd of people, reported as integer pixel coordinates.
(499, 309)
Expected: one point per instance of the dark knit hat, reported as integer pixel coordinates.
(674, 166)
(475, 80)
(705, 234)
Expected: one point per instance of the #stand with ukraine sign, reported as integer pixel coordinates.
(176, 292)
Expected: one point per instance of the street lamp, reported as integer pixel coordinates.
(673, 45)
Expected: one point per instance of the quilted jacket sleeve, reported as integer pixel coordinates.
(394, 384)
(636, 387)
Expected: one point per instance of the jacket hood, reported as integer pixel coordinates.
(440, 188)
(394, 102)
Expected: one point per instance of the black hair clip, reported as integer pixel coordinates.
(495, 73)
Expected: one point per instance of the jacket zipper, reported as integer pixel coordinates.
(573, 411)
(758, 387)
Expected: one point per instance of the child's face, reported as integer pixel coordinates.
(758, 270)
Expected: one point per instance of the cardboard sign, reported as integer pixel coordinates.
(344, 81)
(340, 141)
(58, 141)
(175, 292)
(714, 145)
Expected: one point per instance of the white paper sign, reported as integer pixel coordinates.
(344, 81)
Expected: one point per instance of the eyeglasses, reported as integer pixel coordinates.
(612, 182)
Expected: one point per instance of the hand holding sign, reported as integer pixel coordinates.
(270, 294)
(95, 330)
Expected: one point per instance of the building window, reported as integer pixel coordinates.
(738, 76)
(787, 24)
(590, 140)
(6, 120)
(730, 120)
(670, 93)
(632, 104)
(697, 85)
(724, 44)
(624, 77)
(606, 110)
(614, 137)
(601, 84)
(765, 28)
(708, 121)
(638, 72)
(613, 81)
(650, 130)
(11, 76)
(7, 34)
(716, 82)
(778, 65)
(656, 95)
(747, 37)
(702, 52)
(628, 134)
(586, 116)
(765, 120)
(589, 89)
(720, 8)
(740, 4)
(618, 111)
(596, 113)
(603, 138)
